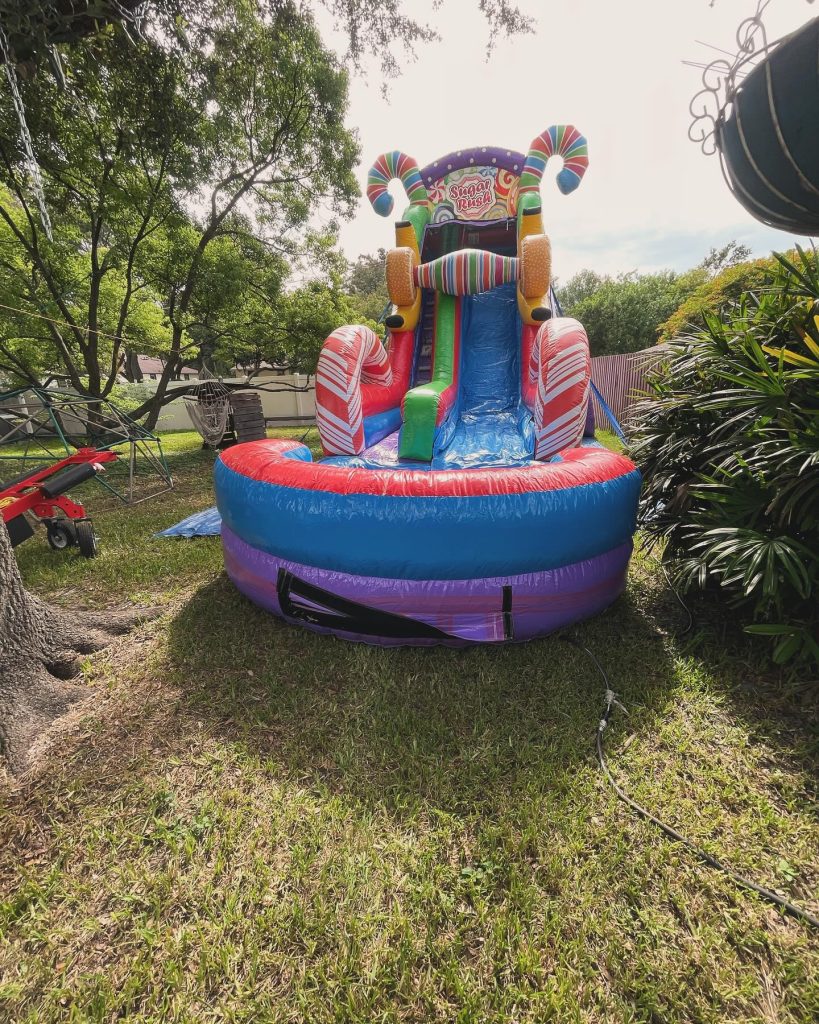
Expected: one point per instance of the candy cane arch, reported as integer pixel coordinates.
(351, 356)
(387, 167)
(562, 366)
(563, 140)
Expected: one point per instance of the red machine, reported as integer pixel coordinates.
(42, 492)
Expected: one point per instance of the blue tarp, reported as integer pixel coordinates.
(201, 524)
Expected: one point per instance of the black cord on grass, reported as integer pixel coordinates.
(680, 602)
(648, 548)
(702, 855)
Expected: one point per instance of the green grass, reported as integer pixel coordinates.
(250, 823)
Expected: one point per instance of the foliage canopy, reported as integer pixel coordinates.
(624, 313)
(718, 292)
(186, 177)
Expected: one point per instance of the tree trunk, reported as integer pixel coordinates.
(132, 371)
(39, 657)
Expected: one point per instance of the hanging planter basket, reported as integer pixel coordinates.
(768, 135)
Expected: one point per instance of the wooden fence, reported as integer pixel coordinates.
(621, 380)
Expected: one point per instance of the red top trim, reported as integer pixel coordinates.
(266, 461)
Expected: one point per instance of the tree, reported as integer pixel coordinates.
(310, 313)
(292, 334)
(244, 100)
(384, 31)
(40, 648)
(245, 126)
(40, 645)
(367, 285)
(241, 283)
(243, 315)
(110, 175)
(727, 255)
(718, 291)
(33, 344)
(624, 314)
(274, 104)
(579, 288)
(33, 29)
(627, 313)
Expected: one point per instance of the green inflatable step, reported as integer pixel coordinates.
(422, 403)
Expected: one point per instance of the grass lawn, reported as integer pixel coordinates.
(250, 823)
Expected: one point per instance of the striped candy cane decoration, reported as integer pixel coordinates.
(563, 140)
(350, 357)
(562, 394)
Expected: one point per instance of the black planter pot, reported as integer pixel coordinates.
(769, 138)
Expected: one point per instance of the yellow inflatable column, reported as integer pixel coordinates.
(535, 256)
(404, 293)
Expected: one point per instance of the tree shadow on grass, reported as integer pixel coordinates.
(448, 728)
(779, 706)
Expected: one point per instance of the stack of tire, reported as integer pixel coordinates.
(248, 417)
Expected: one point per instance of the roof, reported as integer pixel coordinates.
(152, 364)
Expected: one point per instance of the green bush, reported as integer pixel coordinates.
(717, 292)
(728, 444)
(128, 397)
(624, 314)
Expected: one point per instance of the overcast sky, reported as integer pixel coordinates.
(650, 199)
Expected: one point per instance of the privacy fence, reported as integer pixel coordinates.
(621, 380)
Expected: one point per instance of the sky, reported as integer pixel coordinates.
(650, 199)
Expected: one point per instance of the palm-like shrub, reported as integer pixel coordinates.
(728, 442)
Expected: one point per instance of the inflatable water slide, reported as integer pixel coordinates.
(462, 497)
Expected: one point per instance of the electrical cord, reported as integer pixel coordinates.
(690, 624)
(611, 703)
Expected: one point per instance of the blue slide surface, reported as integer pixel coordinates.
(489, 426)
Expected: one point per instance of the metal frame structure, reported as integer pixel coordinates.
(61, 421)
(721, 77)
(744, 112)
